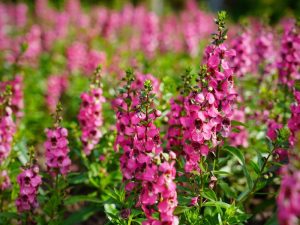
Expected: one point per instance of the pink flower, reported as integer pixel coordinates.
(289, 63)
(4, 180)
(56, 85)
(243, 62)
(17, 98)
(90, 118)
(7, 131)
(29, 181)
(288, 200)
(93, 60)
(57, 159)
(294, 121)
(208, 113)
(273, 128)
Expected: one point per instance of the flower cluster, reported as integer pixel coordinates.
(209, 109)
(265, 52)
(273, 128)
(56, 85)
(242, 63)
(125, 106)
(17, 99)
(288, 200)
(82, 59)
(294, 121)
(4, 180)
(56, 145)
(145, 167)
(175, 129)
(7, 126)
(289, 63)
(29, 181)
(155, 172)
(90, 115)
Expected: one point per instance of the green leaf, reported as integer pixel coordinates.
(180, 209)
(209, 194)
(82, 198)
(9, 215)
(240, 157)
(236, 152)
(227, 190)
(217, 204)
(255, 167)
(77, 178)
(81, 215)
(237, 123)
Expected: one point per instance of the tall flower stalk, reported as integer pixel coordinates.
(90, 115)
(56, 145)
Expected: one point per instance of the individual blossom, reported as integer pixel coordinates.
(56, 86)
(57, 150)
(29, 181)
(289, 60)
(90, 115)
(4, 180)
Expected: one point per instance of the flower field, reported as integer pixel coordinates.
(125, 116)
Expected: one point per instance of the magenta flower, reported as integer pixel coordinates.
(273, 128)
(90, 116)
(4, 180)
(93, 60)
(17, 99)
(289, 62)
(29, 181)
(294, 121)
(56, 85)
(288, 200)
(7, 131)
(243, 62)
(208, 112)
(56, 145)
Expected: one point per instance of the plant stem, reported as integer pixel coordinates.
(252, 191)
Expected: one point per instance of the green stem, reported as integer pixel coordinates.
(253, 189)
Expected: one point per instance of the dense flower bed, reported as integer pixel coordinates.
(126, 117)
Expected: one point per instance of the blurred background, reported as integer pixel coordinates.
(270, 10)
